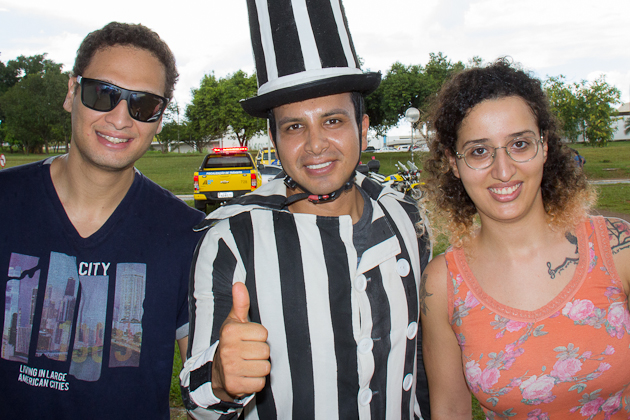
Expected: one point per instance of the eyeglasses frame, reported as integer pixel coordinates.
(494, 153)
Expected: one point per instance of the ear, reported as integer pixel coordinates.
(545, 149)
(365, 125)
(159, 128)
(72, 88)
(452, 160)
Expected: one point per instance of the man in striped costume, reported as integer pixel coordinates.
(305, 293)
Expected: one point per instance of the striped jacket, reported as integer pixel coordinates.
(344, 339)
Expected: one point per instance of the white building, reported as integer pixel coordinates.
(624, 115)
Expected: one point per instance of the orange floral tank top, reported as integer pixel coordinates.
(567, 360)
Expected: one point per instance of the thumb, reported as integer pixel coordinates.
(240, 302)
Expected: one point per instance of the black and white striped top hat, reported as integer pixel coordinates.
(302, 50)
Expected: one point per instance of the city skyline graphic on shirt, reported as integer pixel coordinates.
(19, 307)
(127, 320)
(87, 352)
(74, 309)
(55, 328)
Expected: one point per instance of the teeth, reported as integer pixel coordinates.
(505, 190)
(321, 165)
(114, 140)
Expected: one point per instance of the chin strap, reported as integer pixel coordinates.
(315, 198)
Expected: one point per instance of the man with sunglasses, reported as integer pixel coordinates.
(95, 257)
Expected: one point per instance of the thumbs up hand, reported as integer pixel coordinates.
(241, 361)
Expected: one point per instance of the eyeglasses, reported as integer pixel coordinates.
(481, 156)
(103, 96)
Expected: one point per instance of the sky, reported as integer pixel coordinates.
(580, 39)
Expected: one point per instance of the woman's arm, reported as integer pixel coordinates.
(449, 394)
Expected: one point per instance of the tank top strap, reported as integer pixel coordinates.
(456, 287)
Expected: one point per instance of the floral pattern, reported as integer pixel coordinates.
(524, 377)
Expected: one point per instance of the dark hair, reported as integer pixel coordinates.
(359, 110)
(131, 35)
(562, 182)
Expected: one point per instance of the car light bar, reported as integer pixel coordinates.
(229, 149)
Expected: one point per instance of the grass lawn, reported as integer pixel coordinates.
(173, 171)
(175, 395)
(610, 162)
(614, 197)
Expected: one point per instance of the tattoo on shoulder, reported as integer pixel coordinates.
(424, 294)
(567, 261)
(618, 234)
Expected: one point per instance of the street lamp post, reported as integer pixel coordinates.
(412, 115)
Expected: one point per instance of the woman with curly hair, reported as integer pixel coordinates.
(528, 309)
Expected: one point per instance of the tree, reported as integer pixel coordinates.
(585, 108)
(8, 78)
(240, 86)
(565, 105)
(401, 88)
(599, 99)
(408, 86)
(171, 127)
(215, 109)
(439, 69)
(475, 62)
(32, 106)
(202, 126)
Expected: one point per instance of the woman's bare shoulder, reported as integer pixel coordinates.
(618, 234)
(619, 237)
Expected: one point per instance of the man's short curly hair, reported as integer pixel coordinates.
(565, 192)
(125, 34)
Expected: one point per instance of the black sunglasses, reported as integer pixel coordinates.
(103, 96)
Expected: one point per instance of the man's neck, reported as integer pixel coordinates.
(89, 195)
(349, 203)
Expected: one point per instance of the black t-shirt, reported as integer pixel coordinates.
(89, 323)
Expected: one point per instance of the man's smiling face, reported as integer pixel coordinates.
(318, 141)
(113, 140)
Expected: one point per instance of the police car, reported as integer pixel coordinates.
(224, 174)
(267, 157)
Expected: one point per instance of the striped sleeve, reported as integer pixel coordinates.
(216, 266)
(416, 240)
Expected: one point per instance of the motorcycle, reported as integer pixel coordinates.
(406, 180)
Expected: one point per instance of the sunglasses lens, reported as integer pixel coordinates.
(145, 107)
(102, 96)
(99, 96)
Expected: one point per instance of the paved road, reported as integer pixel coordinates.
(610, 181)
